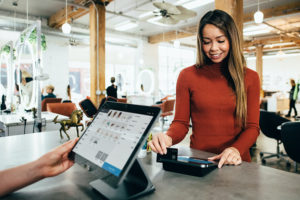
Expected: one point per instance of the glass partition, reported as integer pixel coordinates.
(145, 82)
(6, 78)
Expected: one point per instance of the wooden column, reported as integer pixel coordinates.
(235, 9)
(259, 62)
(100, 84)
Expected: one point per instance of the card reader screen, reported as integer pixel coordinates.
(193, 160)
(111, 138)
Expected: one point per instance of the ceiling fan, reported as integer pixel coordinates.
(172, 14)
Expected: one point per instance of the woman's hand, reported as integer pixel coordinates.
(229, 156)
(160, 142)
(56, 161)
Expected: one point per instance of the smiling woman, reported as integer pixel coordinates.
(219, 94)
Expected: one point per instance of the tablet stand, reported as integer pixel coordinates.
(135, 184)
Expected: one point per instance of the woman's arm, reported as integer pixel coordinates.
(50, 164)
(232, 155)
(248, 137)
(180, 124)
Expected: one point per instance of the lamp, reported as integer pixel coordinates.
(280, 52)
(176, 42)
(66, 27)
(258, 15)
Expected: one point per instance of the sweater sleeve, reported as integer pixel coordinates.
(249, 135)
(180, 125)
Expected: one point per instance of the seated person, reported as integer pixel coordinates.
(26, 88)
(51, 164)
(111, 91)
(49, 90)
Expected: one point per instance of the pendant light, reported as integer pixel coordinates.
(66, 27)
(258, 15)
(280, 52)
(176, 42)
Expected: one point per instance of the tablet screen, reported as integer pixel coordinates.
(111, 138)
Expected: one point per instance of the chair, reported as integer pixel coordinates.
(88, 107)
(122, 100)
(290, 137)
(65, 109)
(109, 98)
(269, 122)
(167, 108)
(49, 100)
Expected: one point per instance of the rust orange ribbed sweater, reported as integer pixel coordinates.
(203, 95)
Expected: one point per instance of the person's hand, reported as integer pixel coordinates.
(229, 156)
(160, 142)
(56, 161)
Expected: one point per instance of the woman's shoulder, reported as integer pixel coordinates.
(251, 76)
(187, 70)
(251, 73)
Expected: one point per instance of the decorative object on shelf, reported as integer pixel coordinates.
(74, 121)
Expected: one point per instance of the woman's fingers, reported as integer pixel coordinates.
(157, 144)
(217, 157)
(160, 142)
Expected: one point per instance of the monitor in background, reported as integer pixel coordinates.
(109, 146)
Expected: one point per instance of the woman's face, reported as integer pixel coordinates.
(214, 43)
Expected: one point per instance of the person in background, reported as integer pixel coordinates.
(112, 89)
(69, 92)
(25, 88)
(220, 95)
(49, 90)
(293, 97)
(68, 99)
(51, 164)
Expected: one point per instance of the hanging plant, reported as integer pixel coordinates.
(6, 49)
(32, 39)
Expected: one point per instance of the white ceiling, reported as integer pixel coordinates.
(130, 9)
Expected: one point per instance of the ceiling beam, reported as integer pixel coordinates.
(275, 48)
(73, 12)
(270, 12)
(59, 18)
(271, 40)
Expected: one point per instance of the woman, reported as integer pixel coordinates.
(112, 89)
(218, 93)
(293, 98)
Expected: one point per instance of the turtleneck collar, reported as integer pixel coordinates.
(216, 65)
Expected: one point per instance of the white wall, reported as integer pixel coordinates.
(277, 71)
(55, 64)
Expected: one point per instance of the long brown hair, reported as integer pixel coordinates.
(235, 60)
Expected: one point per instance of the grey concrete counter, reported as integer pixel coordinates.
(247, 181)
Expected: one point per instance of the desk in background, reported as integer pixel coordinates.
(11, 124)
(247, 181)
